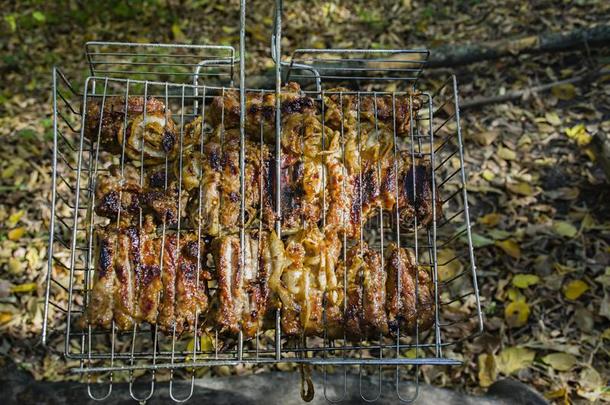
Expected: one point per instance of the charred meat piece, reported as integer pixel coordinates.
(341, 107)
(214, 179)
(100, 308)
(310, 270)
(415, 187)
(242, 296)
(410, 292)
(260, 109)
(127, 284)
(143, 129)
(122, 194)
(185, 291)
(365, 313)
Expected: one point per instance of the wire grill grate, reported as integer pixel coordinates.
(175, 75)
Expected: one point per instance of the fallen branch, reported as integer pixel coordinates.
(515, 95)
(456, 55)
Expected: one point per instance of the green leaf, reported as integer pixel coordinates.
(480, 240)
(39, 17)
(11, 21)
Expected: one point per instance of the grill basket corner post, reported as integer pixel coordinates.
(49, 275)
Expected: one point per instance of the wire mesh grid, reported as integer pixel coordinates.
(443, 247)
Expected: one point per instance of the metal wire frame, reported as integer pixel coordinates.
(214, 64)
(86, 161)
(435, 134)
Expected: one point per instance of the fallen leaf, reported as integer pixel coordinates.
(517, 314)
(488, 371)
(506, 153)
(590, 379)
(485, 138)
(565, 91)
(560, 361)
(575, 289)
(480, 240)
(579, 134)
(5, 317)
(552, 118)
(488, 175)
(14, 218)
(520, 188)
(510, 247)
(491, 219)
(525, 280)
(177, 33)
(17, 233)
(561, 393)
(513, 359)
(24, 288)
(564, 228)
(448, 264)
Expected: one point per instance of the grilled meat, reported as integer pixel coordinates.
(185, 291)
(351, 110)
(365, 313)
(213, 178)
(260, 109)
(122, 194)
(126, 283)
(100, 309)
(143, 130)
(242, 295)
(311, 258)
(410, 293)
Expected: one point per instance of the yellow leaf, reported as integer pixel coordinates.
(17, 233)
(606, 334)
(206, 343)
(486, 138)
(520, 188)
(525, 280)
(565, 91)
(515, 295)
(5, 317)
(517, 314)
(177, 33)
(488, 175)
(14, 218)
(487, 370)
(560, 393)
(579, 134)
(575, 289)
(510, 247)
(448, 264)
(564, 228)
(552, 118)
(560, 361)
(513, 359)
(506, 154)
(491, 219)
(24, 288)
